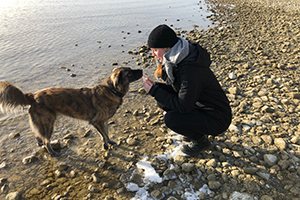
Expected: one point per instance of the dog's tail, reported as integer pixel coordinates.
(12, 97)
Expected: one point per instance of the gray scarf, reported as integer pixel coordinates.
(174, 56)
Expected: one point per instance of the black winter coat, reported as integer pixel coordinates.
(195, 87)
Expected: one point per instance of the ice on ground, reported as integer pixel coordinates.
(151, 176)
(150, 173)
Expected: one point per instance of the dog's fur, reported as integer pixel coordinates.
(95, 105)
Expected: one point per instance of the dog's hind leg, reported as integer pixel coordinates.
(42, 122)
(103, 130)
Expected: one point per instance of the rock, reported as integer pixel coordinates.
(109, 197)
(266, 197)
(29, 159)
(13, 196)
(136, 178)
(214, 185)
(68, 136)
(284, 164)
(280, 143)
(157, 194)
(240, 196)
(270, 159)
(264, 175)
(3, 165)
(179, 159)
(132, 141)
(211, 163)
(267, 139)
(188, 167)
(233, 128)
(142, 91)
(250, 170)
(294, 95)
(96, 178)
(93, 189)
(295, 139)
(232, 75)
(234, 90)
(170, 174)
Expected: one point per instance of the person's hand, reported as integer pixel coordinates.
(148, 83)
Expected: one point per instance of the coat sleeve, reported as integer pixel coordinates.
(190, 88)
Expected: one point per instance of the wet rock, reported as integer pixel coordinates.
(96, 178)
(13, 196)
(3, 165)
(93, 189)
(14, 135)
(132, 141)
(29, 159)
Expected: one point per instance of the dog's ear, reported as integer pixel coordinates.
(118, 79)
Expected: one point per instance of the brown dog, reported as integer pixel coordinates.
(95, 105)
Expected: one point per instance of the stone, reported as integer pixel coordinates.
(270, 159)
(214, 185)
(266, 197)
(280, 143)
(29, 159)
(157, 194)
(188, 167)
(240, 196)
(13, 196)
(211, 163)
(264, 175)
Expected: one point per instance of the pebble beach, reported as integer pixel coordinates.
(255, 50)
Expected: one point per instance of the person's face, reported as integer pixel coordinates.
(159, 53)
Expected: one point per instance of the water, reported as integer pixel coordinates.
(40, 38)
(37, 37)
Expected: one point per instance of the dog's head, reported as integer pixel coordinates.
(121, 77)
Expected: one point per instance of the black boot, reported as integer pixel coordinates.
(186, 139)
(196, 146)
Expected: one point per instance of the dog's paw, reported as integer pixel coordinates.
(39, 142)
(111, 142)
(105, 146)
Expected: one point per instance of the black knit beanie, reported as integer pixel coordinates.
(162, 37)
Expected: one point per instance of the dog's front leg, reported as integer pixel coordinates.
(103, 130)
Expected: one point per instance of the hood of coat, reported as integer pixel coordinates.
(197, 55)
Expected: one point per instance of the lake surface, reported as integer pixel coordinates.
(38, 37)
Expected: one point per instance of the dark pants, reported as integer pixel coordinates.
(196, 123)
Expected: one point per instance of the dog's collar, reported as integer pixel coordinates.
(113, 90)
